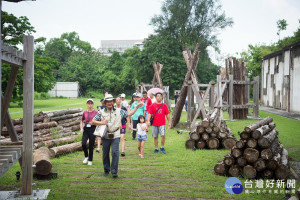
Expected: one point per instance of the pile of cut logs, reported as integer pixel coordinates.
(211, 133)
(50, 127)
(257, 154)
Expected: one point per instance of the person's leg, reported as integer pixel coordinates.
(83, 143)
(123, 142)
(146, 115)
(92, 138)
(105, 154)
(156, 142)
(135, 122)
(155, 131)
(142, 149)
(163, 139)
(139, 147)
(115, 156)
(98, 144)
(162, 130)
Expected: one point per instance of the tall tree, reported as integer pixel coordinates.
(191, 22)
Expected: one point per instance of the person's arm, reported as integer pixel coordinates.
(96, 120)
(97, 123)
(169, 122)
(81, 124)
(168, 116)
(135, 108)
(144, 127)
(148, 120)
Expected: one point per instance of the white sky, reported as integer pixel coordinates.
(96, 20)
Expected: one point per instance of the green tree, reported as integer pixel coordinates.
(62, 48)
(281, 26)
(191, 22)
(253, 57)
(43, 76)
(13, 28)
(85, 68)
(167, 51)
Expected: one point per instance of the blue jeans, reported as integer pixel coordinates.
(186, 106)
(146, 115)
(114, 145)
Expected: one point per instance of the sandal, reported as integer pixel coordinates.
(98, 150)
(123, 154)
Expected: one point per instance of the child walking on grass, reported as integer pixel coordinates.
(141, 135)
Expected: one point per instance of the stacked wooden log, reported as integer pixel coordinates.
(50, 128)
(257, 154)
(211, 133)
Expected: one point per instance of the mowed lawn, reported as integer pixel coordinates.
(180, 174)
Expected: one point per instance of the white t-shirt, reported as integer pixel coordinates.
(139, 129)
(124, 103)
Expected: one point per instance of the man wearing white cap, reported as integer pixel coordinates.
(112, 117)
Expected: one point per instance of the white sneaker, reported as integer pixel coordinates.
(90, 163)
(85, 160)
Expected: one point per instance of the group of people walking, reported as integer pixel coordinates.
(141, 113)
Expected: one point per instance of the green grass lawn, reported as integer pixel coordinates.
(180, 174)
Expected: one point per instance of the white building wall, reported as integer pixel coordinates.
(295, 86)
(286, 82)
(270, 83)
(65, 89)
(264, 82)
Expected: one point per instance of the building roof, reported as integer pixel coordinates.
(15, 1)
(280, 52)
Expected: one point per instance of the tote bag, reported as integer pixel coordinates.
(101, 131)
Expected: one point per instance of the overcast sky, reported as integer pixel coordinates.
(96, 20)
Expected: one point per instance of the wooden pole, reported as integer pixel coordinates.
(0, 67)
(28, 100)
(230, 108)
(8, 92)
(183, 92)
(212, 96)
(256, 97)
(189, 109)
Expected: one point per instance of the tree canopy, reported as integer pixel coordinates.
(13, 29)
(191, 22)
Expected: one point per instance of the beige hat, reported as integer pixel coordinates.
(109, 97)
(123, 95)
(90, 100)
